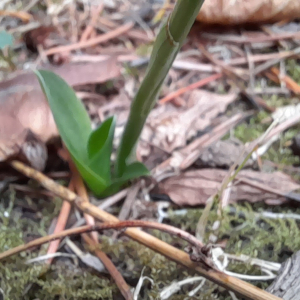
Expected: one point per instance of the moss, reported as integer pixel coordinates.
(63, 280)
(293, 69)
(242, 230)
(249, 131)
(245, 233)
(279, 152)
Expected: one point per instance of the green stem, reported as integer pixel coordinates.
(165, 49)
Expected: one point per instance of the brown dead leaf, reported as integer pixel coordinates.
(228, 12)
(26, 122)
(74, 73)
(195, 187)
(169, 128)
(222, 154)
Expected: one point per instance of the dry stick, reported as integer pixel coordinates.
(115, 274)
(236, 285)
(81, 191)
(128, 203)
(90, 27)
(262, 57)
(60, 225)
(262, 67)
(292, 121)
(63, 215)
(192, 86)
(91, 42)
(290, 83)
(234, 75)
(269, 31)
(228, 70)
(105, 226)
(251, 40)
(93, 238)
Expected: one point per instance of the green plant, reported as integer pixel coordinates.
(6, 42)
(91, 150)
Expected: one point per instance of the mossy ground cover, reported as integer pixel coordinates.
(245, 233)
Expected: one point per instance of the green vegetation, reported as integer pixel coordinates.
(91, 150)
(6, 42)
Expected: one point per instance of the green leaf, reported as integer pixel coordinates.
(100, 148)
(70, 116)
(134, 170)
(93, 180)
(73, 124)
(6, 39)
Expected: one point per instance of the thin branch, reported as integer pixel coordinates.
(113, 271)
(192, 86)
(104, 226)
(92, 239)
(91, 42)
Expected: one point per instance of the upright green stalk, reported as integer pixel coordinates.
(165, 49)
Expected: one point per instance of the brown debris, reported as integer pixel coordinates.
(222, 154)
(228, 12)
(195, 187)
(169, 128)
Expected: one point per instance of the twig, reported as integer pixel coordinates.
(115, 274)
(228, 70)
(81, 191)
(93, 239)
(90, 27)
(128, 203)
(60, 225)
(251, 40)
(270, 63)
(238, 286)
(105, 226)
(91, 42)
(290, 83)
(235, 75)
(108, 202)
(263, 57)
(192, 86)
(63, 215)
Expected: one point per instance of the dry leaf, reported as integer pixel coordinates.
(222, 154)
(227, 12)
(74, 73)
(169, 128)
(26, 122)
(195, 187)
